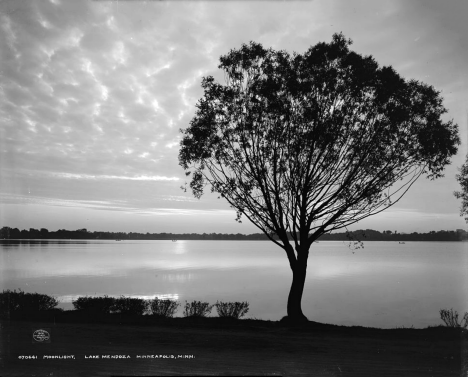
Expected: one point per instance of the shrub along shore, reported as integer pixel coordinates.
(15, 304)
(146, 330)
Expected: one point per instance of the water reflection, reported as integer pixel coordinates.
(382, 285)
(178, 277)
(179, 247)
(8, 244)
(167, 296)
(68, 299)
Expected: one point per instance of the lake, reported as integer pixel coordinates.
(385, 284)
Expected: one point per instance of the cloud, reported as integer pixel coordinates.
(94, 93)
(134, 206)
(98, 177)
(31, 199)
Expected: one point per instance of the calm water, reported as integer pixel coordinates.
(386, 284)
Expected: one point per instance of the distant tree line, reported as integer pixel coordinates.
(388, 235)
(362, 235)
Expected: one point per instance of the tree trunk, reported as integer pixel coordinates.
(295, 294)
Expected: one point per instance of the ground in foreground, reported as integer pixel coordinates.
(215, 346)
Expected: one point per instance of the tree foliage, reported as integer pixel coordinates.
(13, 301)
(164, 308)
(315, 142)
(102, 304)
(462, 179)
(197, 309)
(232, 309)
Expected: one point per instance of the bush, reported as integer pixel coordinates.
(450, 318)
(232, 309)
(13, 301)
(95, 304)
(164, 308)
(197, 309)
(129, 305)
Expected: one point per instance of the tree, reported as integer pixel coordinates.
(462, 179)
(5, 232)
(302, 145)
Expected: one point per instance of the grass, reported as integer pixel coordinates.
(223, 345)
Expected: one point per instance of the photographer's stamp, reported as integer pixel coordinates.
(41, 335)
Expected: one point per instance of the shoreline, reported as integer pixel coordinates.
(20, 240)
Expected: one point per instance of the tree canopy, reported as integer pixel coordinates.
(314, 141)
(462, 179)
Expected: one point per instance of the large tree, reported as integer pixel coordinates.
(462, 179)
(302, 145)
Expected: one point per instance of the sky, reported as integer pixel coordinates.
(93, 95)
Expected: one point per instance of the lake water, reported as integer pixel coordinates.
(385, 285)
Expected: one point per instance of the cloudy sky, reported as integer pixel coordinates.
(93, 94)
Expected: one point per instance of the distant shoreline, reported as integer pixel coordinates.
(26, 240)
(7, 233)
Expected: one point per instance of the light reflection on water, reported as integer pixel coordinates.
(170, 296)
(384, 285)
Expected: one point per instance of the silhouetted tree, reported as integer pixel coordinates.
(34, 233)
(306, 144)
(462, 179)
(44, 232)
(5, 232)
